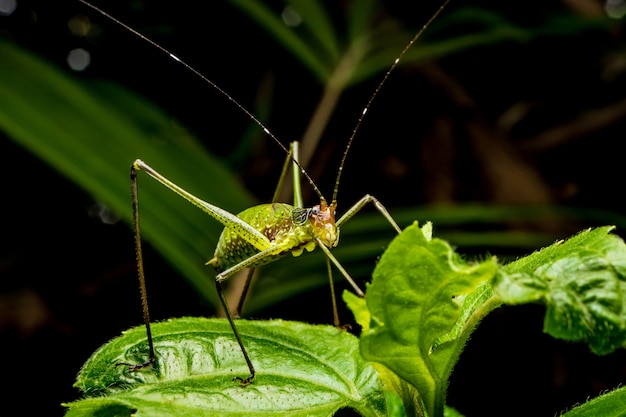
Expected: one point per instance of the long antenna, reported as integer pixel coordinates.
(208, 81)
(378, 88)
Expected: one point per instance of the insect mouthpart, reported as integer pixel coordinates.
(323, 223)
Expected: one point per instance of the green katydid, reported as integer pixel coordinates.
(264, 233)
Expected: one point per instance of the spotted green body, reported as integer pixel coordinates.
(288, 230)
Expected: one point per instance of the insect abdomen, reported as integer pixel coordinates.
(273, 220)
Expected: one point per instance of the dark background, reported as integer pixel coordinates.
(534, 122)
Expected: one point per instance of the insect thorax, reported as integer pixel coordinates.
(283, 225)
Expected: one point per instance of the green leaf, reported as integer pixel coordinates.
(359, 309)
(301, 370)
(582, 281)
(424, 302)
(92, 132)
(610, 404)
(451, 412)
(395, 406)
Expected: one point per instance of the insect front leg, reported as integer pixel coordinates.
(340, 267)
(360, 204)
(330, 257)
(333, 298)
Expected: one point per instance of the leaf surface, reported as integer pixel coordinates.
(582, 281)
(424, 301)
(301, 370)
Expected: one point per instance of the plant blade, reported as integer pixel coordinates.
(582, 281)
(610, 404)
(423, 304)
(92, 132)
(301, 370)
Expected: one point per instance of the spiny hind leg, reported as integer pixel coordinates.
(247, 380)
(222, 276)
(244, 293)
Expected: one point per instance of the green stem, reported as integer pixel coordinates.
(334, 87)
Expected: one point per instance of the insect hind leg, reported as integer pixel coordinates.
(243, 381)
(244, 293)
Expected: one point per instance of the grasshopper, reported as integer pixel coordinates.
(263, 233)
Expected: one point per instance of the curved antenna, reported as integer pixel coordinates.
(211, 83)
(378, 88)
